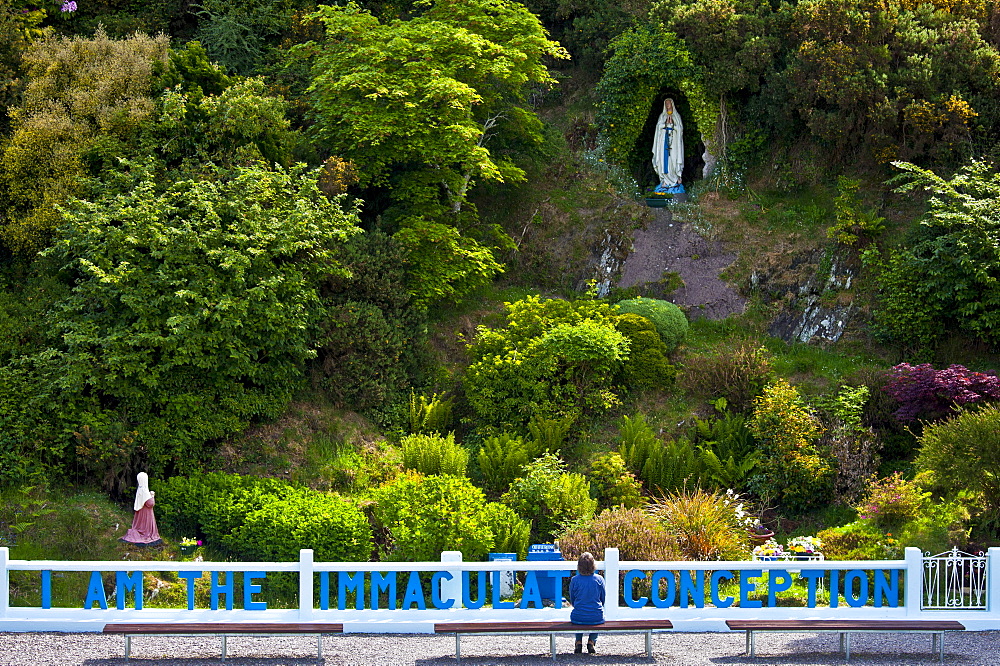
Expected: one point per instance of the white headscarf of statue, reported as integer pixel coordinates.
(142, 492)
(668, 141)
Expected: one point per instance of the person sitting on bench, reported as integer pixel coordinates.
(586, 595)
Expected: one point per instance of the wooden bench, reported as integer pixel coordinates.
(551, 628)
(936, 628)
(222, 629)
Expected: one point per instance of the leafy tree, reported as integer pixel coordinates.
(949, 277)
(791, 468)
(552, 358)
(925, 393)
(417, 101)
(192, 310)
(84, 95)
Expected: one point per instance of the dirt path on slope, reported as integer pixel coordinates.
(668, 246)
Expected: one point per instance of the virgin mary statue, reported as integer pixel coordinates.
(143, 531)
(668, 149)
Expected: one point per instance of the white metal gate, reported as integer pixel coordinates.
(954, 580)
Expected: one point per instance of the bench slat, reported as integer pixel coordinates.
(514, 627)
(223, 628)
(847, 625)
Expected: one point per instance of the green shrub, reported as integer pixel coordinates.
(332, 526)
(424, 515)
(549, 497)
(510, 532)
(727, 450)
(636, 535)
(892, 501)
(647, 366)
(668, 319)
(548, 435)
(552, 359)
(964, 453)
(501, 459)
(940, 526)
(430, 415)
(737, 372)
(707, 526)
(859, 540)
(615, 485)
(434, 454)
(791, 469)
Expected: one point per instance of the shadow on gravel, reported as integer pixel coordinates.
(205, 661)
(862, 656)
(521, 659)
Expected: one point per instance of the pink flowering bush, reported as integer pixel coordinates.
(926, 393)
(890, 502)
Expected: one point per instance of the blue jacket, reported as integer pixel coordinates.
(586, 593)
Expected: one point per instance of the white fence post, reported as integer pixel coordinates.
(4, 581)
(611, 578)
(452, 588)
(993, 580)
(305, 584)
(914, 580)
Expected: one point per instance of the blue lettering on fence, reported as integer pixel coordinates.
(221, 589)
(190, 577)
(124, 583)
(95, 592)
(251, 588)
(383, 583)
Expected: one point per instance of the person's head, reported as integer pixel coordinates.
(668, 105)
(585, 565)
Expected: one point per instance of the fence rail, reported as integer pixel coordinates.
(953, 581)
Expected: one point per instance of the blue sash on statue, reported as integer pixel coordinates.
(673, 189)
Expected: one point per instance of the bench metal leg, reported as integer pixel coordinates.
(841, 642)
(649, 644)
(552, 646)
(128, 646)
(458, 647)
(750, 645)
(319, 647)
(223, 647)
(941, 644)
(847, 647)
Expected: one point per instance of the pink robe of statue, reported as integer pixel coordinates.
(143, 529)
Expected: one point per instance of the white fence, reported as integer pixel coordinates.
(695, 596)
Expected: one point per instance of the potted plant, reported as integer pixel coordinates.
(656, 199)
(189, 545)
(768, 551)
(804, 547)
(760, 534)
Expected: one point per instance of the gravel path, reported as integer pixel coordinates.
(44, 649)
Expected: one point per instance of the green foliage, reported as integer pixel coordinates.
(81, 93)
(501, 459)
(647, 366)
(427, 515)
(371, 344)
(859, 540)
(854, 222)
(441, 264)
(636, 534)
(727, 450)
(738, 371)
(549, 496)
(892, 501)
(645, 61)
(434, 454)
(662, 466)
(614, 484)
(235, 33)
(548, 435)
(707, 526)
(948, 277)
(554, 359)
(791, 469)
(511, 533)
(262, 519)
(668, 319)
(332, 526)
(191, 311)
(964, 453)
(430, 415)
(431, 89)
